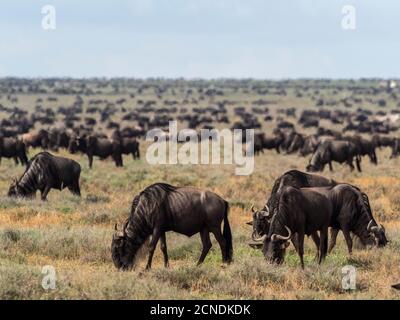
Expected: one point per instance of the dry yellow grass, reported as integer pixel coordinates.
(74, 235)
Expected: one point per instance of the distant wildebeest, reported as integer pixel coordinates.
(95, 146)
(44, 172)
(161, 208)
(36, 140)
(339, 151)
(13, 148)
(364, 147)
(58, 138)
(128, 145)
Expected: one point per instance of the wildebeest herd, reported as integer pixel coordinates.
(300, 203)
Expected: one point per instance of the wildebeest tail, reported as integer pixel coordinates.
(227, 235)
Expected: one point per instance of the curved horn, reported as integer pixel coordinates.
(383, 228)
(276, 237)
(370, 228)
(252, 208)
(262, 238)
(116, 227)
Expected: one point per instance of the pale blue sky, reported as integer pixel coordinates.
(200, 39)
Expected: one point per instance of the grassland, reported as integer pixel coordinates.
(74, 234)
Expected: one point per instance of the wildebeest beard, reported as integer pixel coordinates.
(138, 227)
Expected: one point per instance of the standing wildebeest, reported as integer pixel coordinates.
(95, 146)
(365, 147)
(128, 145)
(44, 172)
(13, 148)
(36, 140)
(339, 151)
(161, 208)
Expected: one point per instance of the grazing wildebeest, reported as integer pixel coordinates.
(300, 211)
(13, 148)
(44, 172)
(161, 208)
(298, 179)
(339, 151)
(352, 213)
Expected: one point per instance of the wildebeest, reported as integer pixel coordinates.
(299, 211)
(127, 145)
(95, 146)
(339, 151)
(365, 147)
(298, 179)
(44, 172)
(294, 178)
(306, 210)
(36, 140)
(161, 208)
(352, 213)
(13, 148)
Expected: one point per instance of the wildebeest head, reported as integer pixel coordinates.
(275, 246)
(121, 249)
(76, 143)
(260, 223)
(14, 191)
(378, 232)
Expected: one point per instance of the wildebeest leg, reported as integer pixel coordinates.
(163, 244)
(44, 192)
(358, 159)
(300, 238)
(330, 166)
(375, 158)
(350, 163)
(16, 160)
(205, 240)
(348, 239)
(222, 243)
(90, 160)
(153, 244)
(323, 244)
(332, 241)
(75, 189)
(316, 240)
